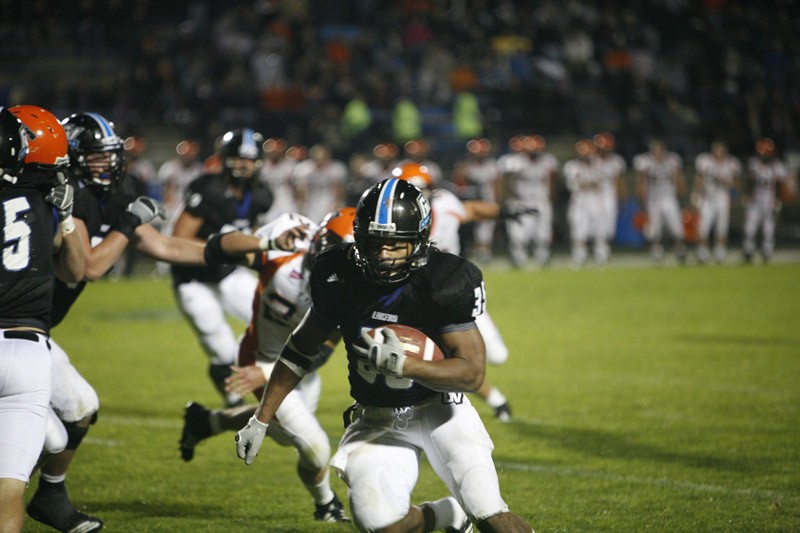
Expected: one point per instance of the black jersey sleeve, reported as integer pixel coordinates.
(200, 195)
(457, 288)
(324, 284)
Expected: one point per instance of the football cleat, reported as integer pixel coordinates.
(503, 413)
(462, 523)
(331, 512)
(466, 527)
(196, 427)
(50, 505)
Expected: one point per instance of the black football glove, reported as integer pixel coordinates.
(516, 211)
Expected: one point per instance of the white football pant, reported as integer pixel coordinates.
(759, 216)
(536, 229)
(378, 459)
(73, 397)
(496, 349)
(25, 381)
(205, 305)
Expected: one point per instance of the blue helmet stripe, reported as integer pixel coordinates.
(103, 123)
(384, 211)
(247, 137)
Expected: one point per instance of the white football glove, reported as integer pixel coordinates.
(249, 438)
(388, 356)
(146, 209)
(62, 196)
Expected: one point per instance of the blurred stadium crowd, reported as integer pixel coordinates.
(354, 75)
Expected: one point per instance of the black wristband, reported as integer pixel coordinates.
(127, 224)
(214, 255)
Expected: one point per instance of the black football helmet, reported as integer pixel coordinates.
(96, 152)
(392, 211)
(244, 143)
(13, 146)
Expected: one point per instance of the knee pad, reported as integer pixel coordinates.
(55, 436)
(76, 432)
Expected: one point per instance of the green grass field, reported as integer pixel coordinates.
(644, 399)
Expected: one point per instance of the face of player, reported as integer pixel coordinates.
(391, 255)
(241, 167)
(719, 150)
(100, 164)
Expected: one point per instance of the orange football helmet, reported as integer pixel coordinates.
(479, 147)
(336, 227)
(414, 173)
(47, 140)
(585, 147)
(604, 141)
(766, 147)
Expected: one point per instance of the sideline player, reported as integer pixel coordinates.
(282, 299)
(716, 174)
(659, 182)
(404, 406)
(586, 211)
(33, 151)
(611, 167)
(767, 177)
(528, 173)
(236, 200)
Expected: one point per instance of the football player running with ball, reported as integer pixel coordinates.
(404, 406)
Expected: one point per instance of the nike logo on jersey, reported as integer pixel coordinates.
(385, 317)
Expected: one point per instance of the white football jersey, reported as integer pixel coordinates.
(448, 213)
(277, 176)
(174, 175)
(765, 175)
(376, 171)
(659, 173)
(718, 174)
(528, 178)
(610, 167)
(282, 296)
(322, 186)
(483, 174)
(582, 177)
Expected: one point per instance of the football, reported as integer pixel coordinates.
(415, 343)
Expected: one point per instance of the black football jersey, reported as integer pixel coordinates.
(100, 214)
(209, 198)
(26, 271)
(443, 296)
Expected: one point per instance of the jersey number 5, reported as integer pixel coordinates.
(16, 235)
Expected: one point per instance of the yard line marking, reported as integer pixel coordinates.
(657, 482)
